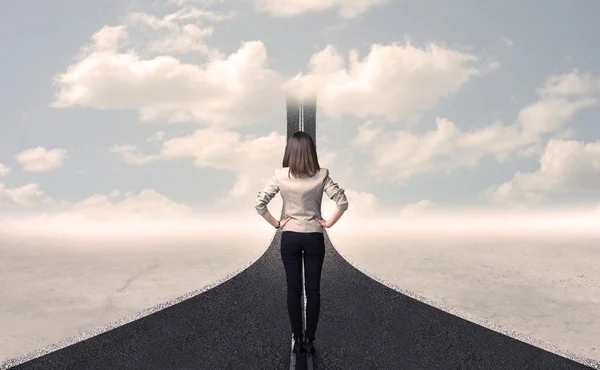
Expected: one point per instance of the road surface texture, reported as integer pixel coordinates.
(243, 324)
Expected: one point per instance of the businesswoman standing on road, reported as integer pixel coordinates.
(301, 183)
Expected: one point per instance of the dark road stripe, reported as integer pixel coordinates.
(292, 356)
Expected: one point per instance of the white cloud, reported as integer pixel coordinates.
(143, 213)
(26, 195)
(158, 136)
(416, 209)
(174, 20)
(131, 156)
(200, 2)
(4, 170)
(235, 90)
(228, 90)
(250, 158)
(397, 82)
(401, 154)
(509, 42)
(183, 31)
(567, 166)
(361, 204)
(179, 2)
(570, 84)
(106, 39)
(561, 98)
(288, 8)
(147, 204)
(393, 81)
(41, 160)
(227, 150)
(188, 38)
(215, 148)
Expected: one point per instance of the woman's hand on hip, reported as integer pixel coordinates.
(322, 222)
(284, 221)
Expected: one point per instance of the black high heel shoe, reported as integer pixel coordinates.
(299, 346)
(309, 346)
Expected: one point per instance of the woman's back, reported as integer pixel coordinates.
(301, 182)
(301, 198)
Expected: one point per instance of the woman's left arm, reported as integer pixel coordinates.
(270, 219)
(264, 197)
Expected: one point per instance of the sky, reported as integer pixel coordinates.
(162, 112)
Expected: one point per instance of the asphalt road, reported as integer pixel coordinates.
(243, 324)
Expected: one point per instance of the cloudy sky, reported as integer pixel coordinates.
(167, 109)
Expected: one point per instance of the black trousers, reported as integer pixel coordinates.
(313, 245)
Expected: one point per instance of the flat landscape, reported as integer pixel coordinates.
(54, 288)
(544, 287)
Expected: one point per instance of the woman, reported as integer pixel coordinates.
(301, 183)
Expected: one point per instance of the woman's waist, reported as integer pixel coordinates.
(301, 212)
(302, 217)
(304, 223)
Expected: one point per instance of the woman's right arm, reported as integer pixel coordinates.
(335, 193)
(337, 213)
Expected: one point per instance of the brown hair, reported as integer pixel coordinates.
(301, 155)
